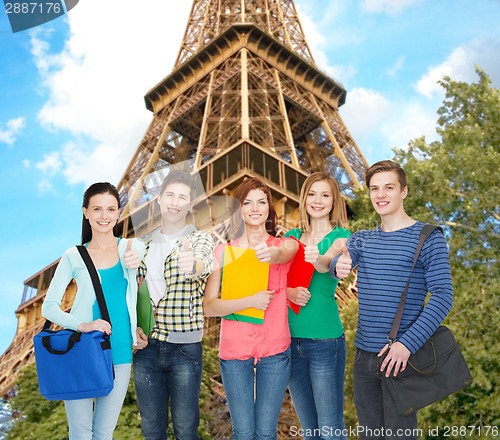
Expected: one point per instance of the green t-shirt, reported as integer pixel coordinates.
(319, 319)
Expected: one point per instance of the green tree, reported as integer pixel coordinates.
(38, 418)
(455, 181)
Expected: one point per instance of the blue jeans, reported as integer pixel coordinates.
(163, 373)
(255, 394)
(95, 419)
(317, 386)
(378, 417)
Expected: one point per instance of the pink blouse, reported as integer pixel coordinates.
(242, 340)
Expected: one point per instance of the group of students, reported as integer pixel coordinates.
(306, 352)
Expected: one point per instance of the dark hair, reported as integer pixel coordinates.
(179, 176)
(386, 165)
(92, 190)
(338, 216)
(239, 196)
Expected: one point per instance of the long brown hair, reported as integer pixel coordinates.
(236, 222)
(338, 216)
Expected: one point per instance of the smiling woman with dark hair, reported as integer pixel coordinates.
(116, 261)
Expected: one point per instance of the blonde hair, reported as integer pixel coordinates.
(338, 215)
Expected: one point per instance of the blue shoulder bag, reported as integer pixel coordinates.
(71, 365)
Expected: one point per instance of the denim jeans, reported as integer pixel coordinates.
(255, 394)
(165, 372)
(95, 419)
(378, 417)
(317, 386)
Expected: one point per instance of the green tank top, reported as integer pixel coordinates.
(320, 318)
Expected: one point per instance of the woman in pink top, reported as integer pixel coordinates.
(254, 358)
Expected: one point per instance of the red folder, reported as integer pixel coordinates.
(299, 274)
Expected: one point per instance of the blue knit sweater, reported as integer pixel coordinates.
(384, 261)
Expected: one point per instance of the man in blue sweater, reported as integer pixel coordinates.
(384, 258)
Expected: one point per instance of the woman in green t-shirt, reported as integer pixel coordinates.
(318, 342)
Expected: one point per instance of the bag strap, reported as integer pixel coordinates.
(95, 281)
(424, 233)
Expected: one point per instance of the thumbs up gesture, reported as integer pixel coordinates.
(263, 252)
(311, 251)
(344, 264)
(130, 257)
(311, 254)
(186, 260)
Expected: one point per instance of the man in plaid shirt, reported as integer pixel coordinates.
(175, 268)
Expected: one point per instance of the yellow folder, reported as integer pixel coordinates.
(243, 275)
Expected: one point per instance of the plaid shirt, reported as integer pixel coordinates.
(181, 309)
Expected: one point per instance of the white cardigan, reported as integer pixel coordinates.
(71, 266)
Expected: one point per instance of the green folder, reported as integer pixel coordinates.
(145, 315)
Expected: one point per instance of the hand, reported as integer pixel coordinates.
(344, 264)
(98, 325)
(142, 339)
(263, 253)
(298, 295)
(261, 300)
(311, 254)
(186, 260)
(396, 359)
(130, 257)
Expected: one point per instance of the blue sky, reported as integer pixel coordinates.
(72, 109)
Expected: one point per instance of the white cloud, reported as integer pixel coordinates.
(39, 48)
(363, 113)
(12, 129)
(310, 29)
(407, 121)
(317, 41)
(460, 66)
(103, 158)
(393, 70)
(96, 84)
(390, 7)
(379, 125)
(45, 185)
(51, 164)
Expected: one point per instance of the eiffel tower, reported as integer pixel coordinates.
(245, 98)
